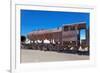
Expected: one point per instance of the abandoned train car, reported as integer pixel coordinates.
(62, 38)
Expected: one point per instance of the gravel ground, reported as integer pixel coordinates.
(29, 56)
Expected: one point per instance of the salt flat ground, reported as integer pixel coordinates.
(29, 56)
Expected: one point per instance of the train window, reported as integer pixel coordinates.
(72, 28)
(82, 34)
(66, 28)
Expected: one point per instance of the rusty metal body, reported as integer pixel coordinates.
(65, 36)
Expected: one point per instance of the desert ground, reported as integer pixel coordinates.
(31, 56)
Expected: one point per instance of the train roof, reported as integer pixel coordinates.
(80, 25)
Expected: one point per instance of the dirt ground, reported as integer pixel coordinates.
(31, 56)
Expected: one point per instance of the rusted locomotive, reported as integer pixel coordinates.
(64, 38)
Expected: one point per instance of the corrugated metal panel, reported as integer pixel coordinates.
(69, 36)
